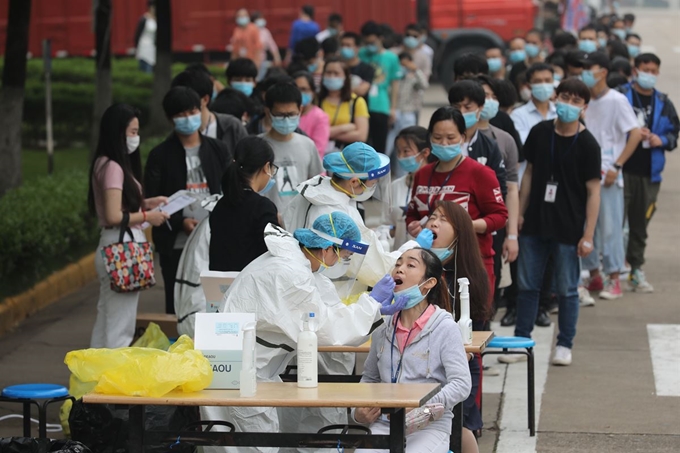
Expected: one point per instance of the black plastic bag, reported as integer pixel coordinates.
(35, 445)
(104, 428)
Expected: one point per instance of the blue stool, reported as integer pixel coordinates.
(523, 346)
(27, 394)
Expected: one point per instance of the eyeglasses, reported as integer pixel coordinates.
(274, 169)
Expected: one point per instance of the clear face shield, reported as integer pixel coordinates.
(351, 256)
(377, 195)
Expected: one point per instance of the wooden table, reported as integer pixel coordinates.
(391, 398)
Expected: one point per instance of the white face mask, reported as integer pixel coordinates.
(132, 143)
(366, 194)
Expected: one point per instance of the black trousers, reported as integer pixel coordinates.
(378, 128)
(169, 263)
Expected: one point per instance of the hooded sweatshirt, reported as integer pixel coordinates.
(435, 355)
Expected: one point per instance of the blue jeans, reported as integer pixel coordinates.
(533, 257)
(608, 240)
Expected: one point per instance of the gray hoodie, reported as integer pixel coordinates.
(436, 354)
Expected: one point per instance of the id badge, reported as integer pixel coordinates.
(550, 192)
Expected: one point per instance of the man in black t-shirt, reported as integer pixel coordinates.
(559, 203)
(362, 73)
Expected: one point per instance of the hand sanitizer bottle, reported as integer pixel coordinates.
(307, 357)
(248, 383)
(464, 322)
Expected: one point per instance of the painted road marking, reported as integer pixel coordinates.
(663, 343)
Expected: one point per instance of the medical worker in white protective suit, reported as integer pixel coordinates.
(280, 287)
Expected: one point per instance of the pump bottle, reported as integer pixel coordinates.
(464, 322)
(307, 358)
(248, 382)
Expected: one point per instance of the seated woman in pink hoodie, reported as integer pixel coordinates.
(314, 121)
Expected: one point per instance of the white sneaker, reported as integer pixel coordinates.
(512, 358)
(584, 297)
(562, 356)
(638, 282)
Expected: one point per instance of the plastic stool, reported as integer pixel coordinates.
(523, 346)
(27, 394)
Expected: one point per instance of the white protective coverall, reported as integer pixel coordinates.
(280, 287)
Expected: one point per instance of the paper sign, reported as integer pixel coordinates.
(226, 328)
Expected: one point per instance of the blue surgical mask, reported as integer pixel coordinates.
(602, 42)
(244, 87)
(306, 99)
(242, 21)
(410, 164)
(442, 253)
(411, 42)
(312, 67)
(285, 126)
(567, 113)
(333, 83)
(214, 95)
(532, 50)
(620, 33)
(470, 119)
(187, 125)
(271, 183)
(495, 64)
(633, 51)
(490, 109)
(372, 49)
(517, 55)
(446, 153)
(261, 22)
(646, 80)
(557, 77)
(542, 91)
(587, 45)
(588, 78)
(413, 294)
(347, 53)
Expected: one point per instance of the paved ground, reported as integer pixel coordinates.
(605, 402)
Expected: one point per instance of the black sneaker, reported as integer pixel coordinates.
(510, 317)
(543, 319)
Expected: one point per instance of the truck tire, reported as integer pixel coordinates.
(445, 69)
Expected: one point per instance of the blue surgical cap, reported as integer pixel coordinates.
(357, 158)
(337, 224)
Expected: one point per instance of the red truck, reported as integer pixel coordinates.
(205, 26)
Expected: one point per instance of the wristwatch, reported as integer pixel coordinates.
(617, 167)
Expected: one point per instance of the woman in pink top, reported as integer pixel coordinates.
(268, 44)
(314, 121)
(114, 189)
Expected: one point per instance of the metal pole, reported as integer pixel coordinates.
(47, 60)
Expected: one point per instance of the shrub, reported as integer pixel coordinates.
(44, 225)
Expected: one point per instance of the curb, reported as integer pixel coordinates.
(15, 309)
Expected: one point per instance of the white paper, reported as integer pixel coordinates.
(178, 201)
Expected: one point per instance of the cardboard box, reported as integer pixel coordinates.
(167, 323)
(219, 336)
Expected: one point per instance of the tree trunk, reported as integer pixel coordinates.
(12, 93)
(162, 71)
(103, 89)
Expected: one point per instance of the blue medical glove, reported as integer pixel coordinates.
(398, 305)
(425, 239)
(383, 291)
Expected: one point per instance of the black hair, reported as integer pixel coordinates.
(197, 81)
(439, 294)
(233, 102)
(371, 28)
(241, 67)
(575, 87)
(617, 48)
(622, 66)
(346, 91)
(330, 46)
(557, 58)
(307, 75)
(484, 79)
(351, 35)
(112, 145)
(308, 10)
(334, 18)
(562, 39)
(573, 58)
(495, 46)
(647, 58)
(469, 89)
(616, 79)
(405, 55)
(199, 67)
(283, 93)
(633, 35)
(412, 27)
(417, 135)
(470, 64)
(306, 49)
(446, 114)
(536, 31)
(588, 27)
(506, 93)
(630, 17)
(254, 15)
(536, 67)
(250, 155)
(180, 99)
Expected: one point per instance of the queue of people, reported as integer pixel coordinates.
(295, 165)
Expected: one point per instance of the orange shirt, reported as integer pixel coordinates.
(246, 43)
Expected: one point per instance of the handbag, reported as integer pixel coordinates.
(129, 264)
(420, 417)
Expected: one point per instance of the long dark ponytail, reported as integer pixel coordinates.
(439, 295)
(113, 146)
(251, 154)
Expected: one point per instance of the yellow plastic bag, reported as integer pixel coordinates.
(153, 338)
